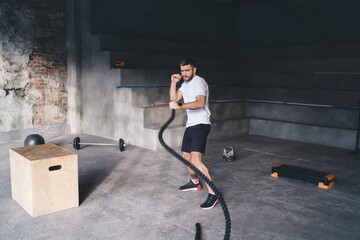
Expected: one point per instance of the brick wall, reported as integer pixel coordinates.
(33, 82)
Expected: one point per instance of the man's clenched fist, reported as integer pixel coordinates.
(175, 78)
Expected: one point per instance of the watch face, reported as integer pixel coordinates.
(179, 104)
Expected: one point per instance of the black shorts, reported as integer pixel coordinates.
(195, 138)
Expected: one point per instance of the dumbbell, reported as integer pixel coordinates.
(77, 143)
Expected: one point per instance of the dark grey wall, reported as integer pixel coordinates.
(179, 21)
(297, 22)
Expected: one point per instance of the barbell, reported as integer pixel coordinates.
(77, 143)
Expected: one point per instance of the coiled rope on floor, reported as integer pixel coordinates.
(200, 174)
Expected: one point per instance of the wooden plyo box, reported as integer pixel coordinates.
(44, 178)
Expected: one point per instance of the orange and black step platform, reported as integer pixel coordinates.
(322, 179)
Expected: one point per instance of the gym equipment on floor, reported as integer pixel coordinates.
(228, 154)
(34, 139)
(77, 143)
(324, 180)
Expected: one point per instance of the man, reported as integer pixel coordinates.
(195, 93)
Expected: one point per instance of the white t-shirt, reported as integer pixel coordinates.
(197, 86)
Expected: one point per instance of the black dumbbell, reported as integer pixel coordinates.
(77, 143)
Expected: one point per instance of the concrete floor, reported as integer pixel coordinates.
(133, 195)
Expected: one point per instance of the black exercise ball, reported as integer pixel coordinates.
(34, 139)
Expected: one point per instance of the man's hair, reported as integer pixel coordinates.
(187, 61)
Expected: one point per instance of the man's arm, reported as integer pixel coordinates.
(199, 103)
(175, 96)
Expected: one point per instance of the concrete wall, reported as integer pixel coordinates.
(91, 80)
(279, 66)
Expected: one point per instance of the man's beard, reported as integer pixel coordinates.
(191, 77)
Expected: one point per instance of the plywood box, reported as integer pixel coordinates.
(44, 178)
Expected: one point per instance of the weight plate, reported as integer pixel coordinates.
(76, 143)
(121, 145)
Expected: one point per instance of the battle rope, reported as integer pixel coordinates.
(200, 174)
(198, 231)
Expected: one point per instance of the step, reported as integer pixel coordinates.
(317, 116)
(229, 128)
(151, 77)
(154, 117)
(350, 64)
(334, 137)
(164, 61)
(146, 96)
(306, 96)
(322, 179)
(305, 80)
(153, 46)
(303, 51)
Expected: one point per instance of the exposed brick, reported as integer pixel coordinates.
(45, 63)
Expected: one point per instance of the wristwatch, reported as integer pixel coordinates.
(180, 106)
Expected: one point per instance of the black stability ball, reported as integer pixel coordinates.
(34, 139)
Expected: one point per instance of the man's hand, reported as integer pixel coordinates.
(175, 78)
(173, 105)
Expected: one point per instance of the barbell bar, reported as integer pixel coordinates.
(77, 142)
